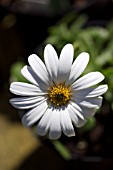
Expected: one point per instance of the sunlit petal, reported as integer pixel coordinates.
(65, 62)
(31, 76)
(78, 67)
(66, 123)
(39, 68)
(44, 123)
(55, 125)
(88, 80)
(90, 92)
(34, 115)
(27, 102)
(51, 61)
(25, 89)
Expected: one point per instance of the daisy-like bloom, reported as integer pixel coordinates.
(55, 97)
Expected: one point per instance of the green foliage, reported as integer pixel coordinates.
(15, 72)
(64, 152)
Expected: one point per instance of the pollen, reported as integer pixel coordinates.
(59, 95)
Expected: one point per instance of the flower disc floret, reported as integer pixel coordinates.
(59, 95)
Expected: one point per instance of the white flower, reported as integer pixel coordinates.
(55, 97)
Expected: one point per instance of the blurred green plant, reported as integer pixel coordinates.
(15, 72)
(62, 149)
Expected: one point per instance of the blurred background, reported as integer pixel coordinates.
(26, 26)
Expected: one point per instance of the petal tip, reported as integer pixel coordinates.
(23, 69)
(48, 46)
(105, 87)
(10, 101)
(25, 123)
(32, 56)
(71, 134)
(85, 56)
(101, 76)
(54, 136)
(69, 45)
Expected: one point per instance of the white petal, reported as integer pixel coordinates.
(34, 115)
(66, 123)
(77, 110)
(39, 68)
(90, 92)
(26, 102)
(44, 123)
(55, 127)
(78, 67)
(90, 102)
(87, 112)
(88, 80)
(31, 76)
(51, 61)
(72, 113)
(83, 110)
(65, 62)
(77, 121)
(25, 89)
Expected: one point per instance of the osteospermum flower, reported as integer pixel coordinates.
(55, 97)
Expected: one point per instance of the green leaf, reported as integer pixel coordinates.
(63, 150)
(78, 23)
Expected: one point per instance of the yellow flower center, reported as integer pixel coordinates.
(59, 95)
